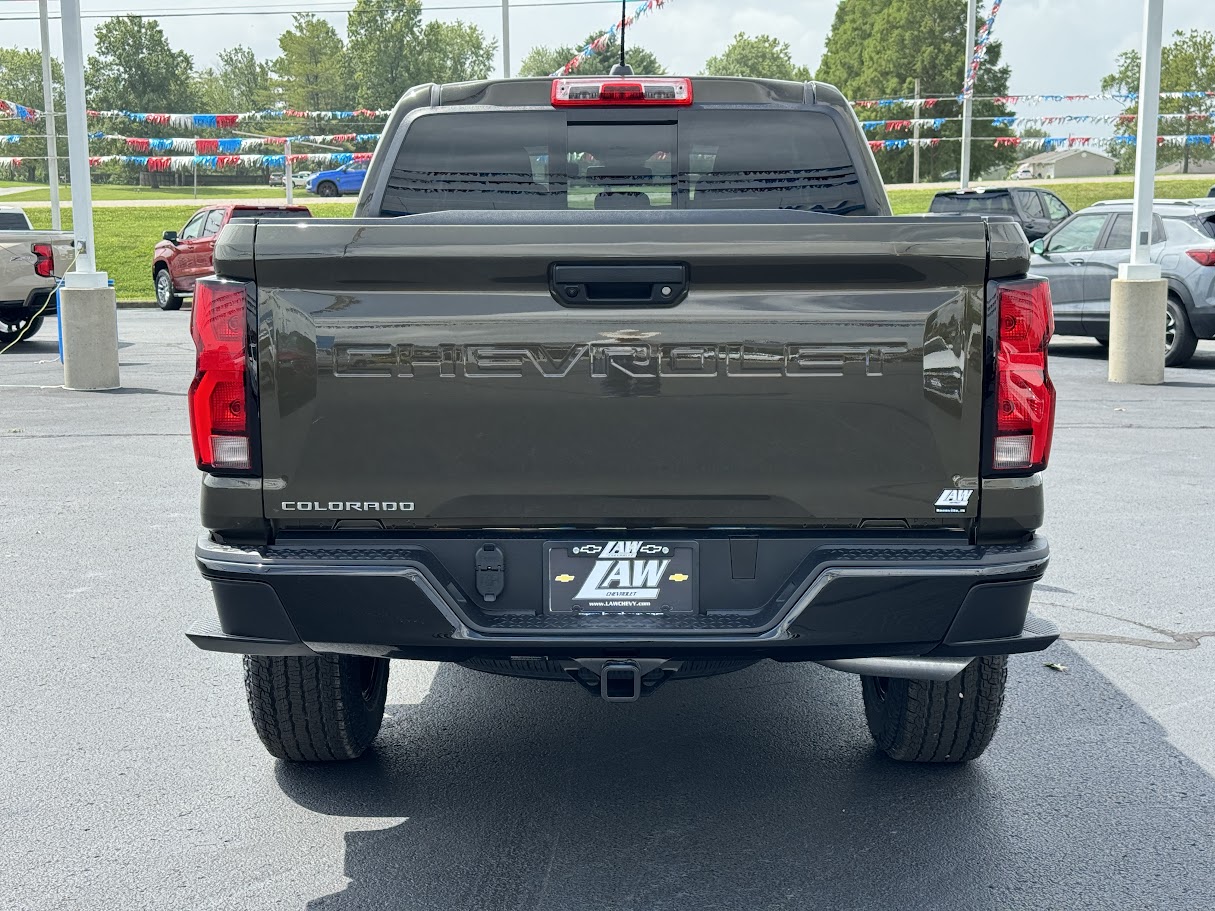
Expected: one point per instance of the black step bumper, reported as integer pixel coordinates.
(810, 599)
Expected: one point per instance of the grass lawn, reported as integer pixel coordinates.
(126, 235)
(119, 192)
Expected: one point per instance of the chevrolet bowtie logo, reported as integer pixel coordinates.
(678, 577)
(565, 577)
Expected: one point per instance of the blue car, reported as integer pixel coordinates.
(347, 179)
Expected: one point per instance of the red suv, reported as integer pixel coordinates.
(181, 259)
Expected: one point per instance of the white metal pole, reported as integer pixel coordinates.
(87, 312)
(48, 115)
(287, 170)
(506, 38)
(85, 274)
(972, 13)
(1145, 142)
(1139, 296)
(915, 136)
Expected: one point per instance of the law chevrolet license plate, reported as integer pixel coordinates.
(641, 577)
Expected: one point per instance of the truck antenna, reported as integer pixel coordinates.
(623, 16)
(622, 68)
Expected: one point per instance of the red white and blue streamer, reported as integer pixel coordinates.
(607, 37)
(980, 51)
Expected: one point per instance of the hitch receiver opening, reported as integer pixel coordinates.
(620, 682)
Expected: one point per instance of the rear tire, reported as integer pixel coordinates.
(327, 188)
(316, 709)
(1179, 339)
(22, 330)
(933, 720)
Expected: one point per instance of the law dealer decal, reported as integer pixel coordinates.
(631, 576)
(953, 500)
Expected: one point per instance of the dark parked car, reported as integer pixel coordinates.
(1082, 255)
(1037, 210)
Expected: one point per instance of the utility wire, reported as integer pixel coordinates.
(264, 10)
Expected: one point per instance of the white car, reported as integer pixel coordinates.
(300, 180)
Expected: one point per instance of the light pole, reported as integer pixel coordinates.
(48, 115)
(87, 310)
(1138, 297)
(972, 13)
(506, 39)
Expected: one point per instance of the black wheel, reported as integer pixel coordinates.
(316, 709)
(166, 299)
(327, 188)
(22, 330)
(937, 721)
(1179, 338)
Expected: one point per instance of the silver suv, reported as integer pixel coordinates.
(1081, 257)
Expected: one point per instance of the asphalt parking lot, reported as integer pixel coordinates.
(133, 778)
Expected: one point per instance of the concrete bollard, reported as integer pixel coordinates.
(1137, 318)
(89, 317)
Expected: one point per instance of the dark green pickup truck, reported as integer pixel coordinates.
(617, 381)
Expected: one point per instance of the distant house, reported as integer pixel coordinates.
(1075, 162)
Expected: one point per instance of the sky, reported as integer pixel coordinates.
(1054, 46)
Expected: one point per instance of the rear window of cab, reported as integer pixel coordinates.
(691, 158)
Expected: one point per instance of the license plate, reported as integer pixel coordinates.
(644, 577)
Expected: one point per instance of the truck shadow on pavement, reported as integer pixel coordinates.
(762, 790)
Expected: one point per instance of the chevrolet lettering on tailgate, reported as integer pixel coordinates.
(632, 359)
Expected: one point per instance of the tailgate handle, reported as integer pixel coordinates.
(648, 285)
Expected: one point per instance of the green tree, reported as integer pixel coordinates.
(763, 57)
(1031, 133)
(21, 82)
(312, 71)
(1187, 64)
(452, 52)
(135, 69)
(542, 61)
(21, 78)
(393, 51)
(878, 48)
(241, 83)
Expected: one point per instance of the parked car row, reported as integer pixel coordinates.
(1078, 253)
(1081, 257)
(299, 179)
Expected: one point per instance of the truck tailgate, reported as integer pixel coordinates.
(813, 371)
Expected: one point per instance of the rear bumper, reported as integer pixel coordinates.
(840, 600)
(33, 303)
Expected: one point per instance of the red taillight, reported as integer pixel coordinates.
(1025, 396)
(219, 406)
(44, 262)
(1202, 257)
(609, 90)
